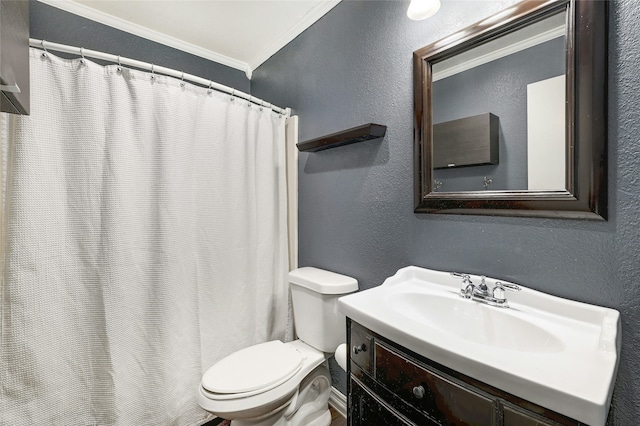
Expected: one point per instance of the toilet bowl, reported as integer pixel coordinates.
(266, 396)
(284, 384)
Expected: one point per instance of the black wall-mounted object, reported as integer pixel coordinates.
(362, 133)
(469, 141)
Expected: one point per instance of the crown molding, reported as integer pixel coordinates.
(321, 9)
(138, 30)
(500, 53)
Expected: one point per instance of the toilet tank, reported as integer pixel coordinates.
(315, 294)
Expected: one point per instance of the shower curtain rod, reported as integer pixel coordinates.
(87, 53)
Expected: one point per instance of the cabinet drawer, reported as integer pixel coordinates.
(361, 347)
(429, 392)
(367, 409)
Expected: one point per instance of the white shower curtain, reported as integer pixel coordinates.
(144, 239)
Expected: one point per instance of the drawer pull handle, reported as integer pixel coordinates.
(12, 88)
(418, 392)
(358, 349)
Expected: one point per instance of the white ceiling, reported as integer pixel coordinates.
(241, 34)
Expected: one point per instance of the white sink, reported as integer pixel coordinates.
(554, 352)
(476, 322)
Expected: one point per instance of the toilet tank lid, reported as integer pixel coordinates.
(323, 282)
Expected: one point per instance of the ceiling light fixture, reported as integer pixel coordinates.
(422, 9)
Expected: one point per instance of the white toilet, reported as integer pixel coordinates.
(284, 384)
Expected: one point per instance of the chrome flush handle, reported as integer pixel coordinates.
(13, 88)
(358, 349)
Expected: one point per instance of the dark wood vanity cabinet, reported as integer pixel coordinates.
(390, 385)
(14, 56)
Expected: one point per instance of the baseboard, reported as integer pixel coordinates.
(338, 401)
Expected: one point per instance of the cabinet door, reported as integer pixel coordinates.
(515, 417)
(361, 351)
(367, 410)
(466, 142)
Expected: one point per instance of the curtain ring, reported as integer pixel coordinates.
(249, 103)
(182, 84)
(119, 69)
(210, 91)
(153, 75)
(45, 53)
(233, 95)
(82, 60)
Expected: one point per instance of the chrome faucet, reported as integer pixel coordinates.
(481, 293)
(483, 286)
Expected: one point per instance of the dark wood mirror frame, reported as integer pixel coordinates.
(586, 112)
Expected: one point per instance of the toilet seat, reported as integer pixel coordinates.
(225, 405)
(253, 370)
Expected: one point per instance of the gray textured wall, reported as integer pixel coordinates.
(356, 202)
(498, 87)
(55, 25)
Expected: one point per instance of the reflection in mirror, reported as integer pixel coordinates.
(519, 79)
(510, 114)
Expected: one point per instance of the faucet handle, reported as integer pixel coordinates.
(509, 286)
(499, 290)
(466, 278)
(459, 275)
(466, 290)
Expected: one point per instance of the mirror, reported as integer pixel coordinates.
(510, 114)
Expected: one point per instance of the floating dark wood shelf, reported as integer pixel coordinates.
(362, 133)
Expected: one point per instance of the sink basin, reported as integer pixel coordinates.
(557, 353)
(478, 323)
